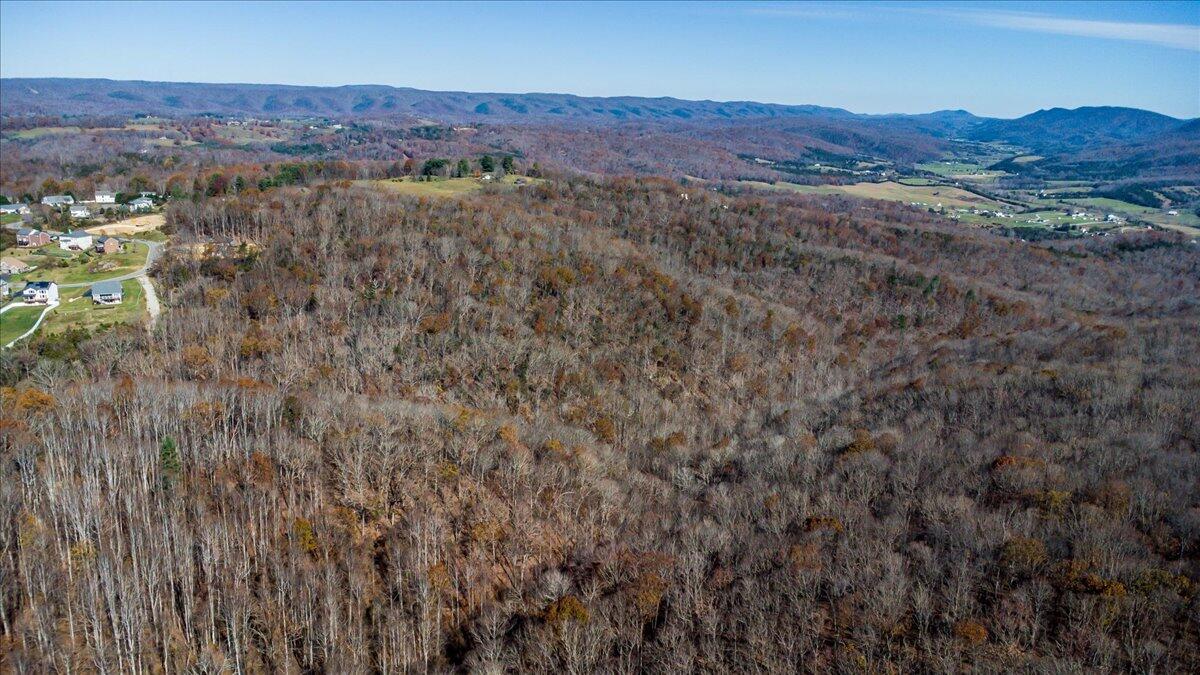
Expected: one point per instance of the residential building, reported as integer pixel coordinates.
(108, 245)
(40, 292)
(107, 293)
(27, 237)
(106, 197)
(58, 200)
(141, 204)
(5, 287)
(75, 241)
(80, 211)
(13, 266)
(19, 209)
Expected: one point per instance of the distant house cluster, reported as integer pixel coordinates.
(103, 200)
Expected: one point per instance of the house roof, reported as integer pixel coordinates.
(39, 284)
(26, 231)
(142, 200)
(77, 234)
(104, 239)
(106, 288)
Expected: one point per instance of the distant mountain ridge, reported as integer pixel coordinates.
(106, 97)
(1061, 129)
(1105, 140)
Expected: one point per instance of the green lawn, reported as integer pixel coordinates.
(76, 309)
(16, 321)
(82, 267)
(6, 218)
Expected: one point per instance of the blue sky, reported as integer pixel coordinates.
(1003, 59)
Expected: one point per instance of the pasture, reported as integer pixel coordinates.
(922, 195)
(443, 187)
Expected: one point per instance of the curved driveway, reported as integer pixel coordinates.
(155, 250)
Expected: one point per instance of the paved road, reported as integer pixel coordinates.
(152, 255)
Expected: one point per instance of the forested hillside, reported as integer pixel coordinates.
(124, 97)
(612, 426)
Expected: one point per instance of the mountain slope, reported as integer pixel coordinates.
(1060, 129)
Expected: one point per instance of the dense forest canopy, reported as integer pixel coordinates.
(611, 425)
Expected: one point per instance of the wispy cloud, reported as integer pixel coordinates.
(1179, 36)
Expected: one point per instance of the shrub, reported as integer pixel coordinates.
(605, 429)
(306, 537)
(567, 609)
(970, 632)
(1022, 555)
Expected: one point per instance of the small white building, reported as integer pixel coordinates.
(19, 209)
(106, 197)
(80, 211)
(40, 292)
(141, 204)
(58, 200)
(75, 241)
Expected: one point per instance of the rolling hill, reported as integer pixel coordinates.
(1060, 129)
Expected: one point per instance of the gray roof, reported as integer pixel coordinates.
(101, 240)
(106, 288)
(39, 284)
(76, 234)
(26, 231)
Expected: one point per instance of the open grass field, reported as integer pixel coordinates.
(250, 135)
(1113, 205)
(923, 195)
(442, 187)
(76, 310)
(950, 168)
(16, 321)
(82, 267)
(38, 132)
(6, 218)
